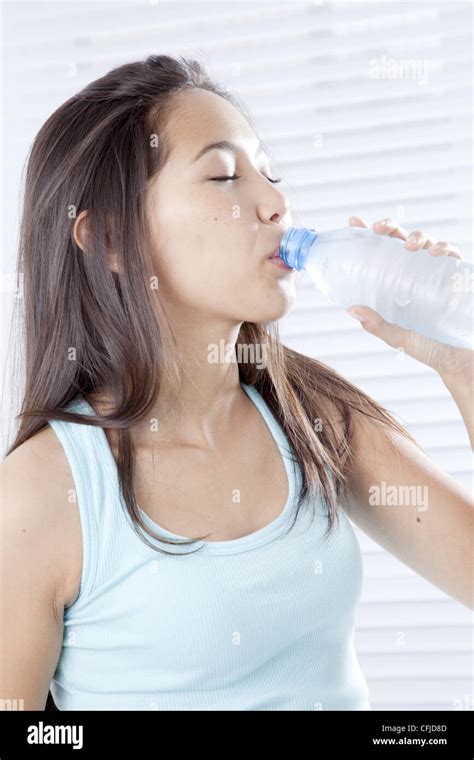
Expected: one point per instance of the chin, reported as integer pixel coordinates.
(272, 310)
(277, 314)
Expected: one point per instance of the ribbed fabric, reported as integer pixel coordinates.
(262, 622)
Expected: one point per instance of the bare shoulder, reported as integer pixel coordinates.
(372, 436)
(38, 507)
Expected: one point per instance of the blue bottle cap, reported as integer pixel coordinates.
(295, 246)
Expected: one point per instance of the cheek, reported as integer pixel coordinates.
(189, 223)
(189, 262)
(201, 244)
(204, 256)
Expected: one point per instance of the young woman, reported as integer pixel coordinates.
(175, 526)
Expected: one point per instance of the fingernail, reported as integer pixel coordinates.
(357, 314)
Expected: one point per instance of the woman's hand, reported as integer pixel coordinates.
(448, 361)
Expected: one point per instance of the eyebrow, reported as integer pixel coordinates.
(222, 145)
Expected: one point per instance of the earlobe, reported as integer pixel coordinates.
(113, 263)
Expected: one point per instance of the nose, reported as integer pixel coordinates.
(274, 207)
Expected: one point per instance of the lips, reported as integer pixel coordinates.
(275, 253)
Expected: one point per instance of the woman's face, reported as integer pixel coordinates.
(211, 239)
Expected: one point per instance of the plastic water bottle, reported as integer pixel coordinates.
(431, 295)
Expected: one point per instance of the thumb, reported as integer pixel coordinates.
(372, 322)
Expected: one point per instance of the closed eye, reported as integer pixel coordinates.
(235, 176)
(224, 179)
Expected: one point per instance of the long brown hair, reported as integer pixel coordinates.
(88, 329)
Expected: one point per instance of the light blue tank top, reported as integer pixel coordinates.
(262, 622)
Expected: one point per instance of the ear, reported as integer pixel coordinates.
(80, 231)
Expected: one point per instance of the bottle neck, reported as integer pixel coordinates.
(295, 246)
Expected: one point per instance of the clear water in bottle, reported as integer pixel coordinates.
(431, 295)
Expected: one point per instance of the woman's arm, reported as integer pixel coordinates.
(34, 552)
(460, 388)
(403, 501)
(412, 508)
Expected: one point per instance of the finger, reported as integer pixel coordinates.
(391, 228)
(374, 323)
(410, 343)
(443, 248)
(417, 240)
(357, 221)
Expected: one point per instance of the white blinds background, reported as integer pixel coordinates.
(347, 137)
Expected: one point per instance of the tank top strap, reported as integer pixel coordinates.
(286, 449)
(272, 423)
(94, 484)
